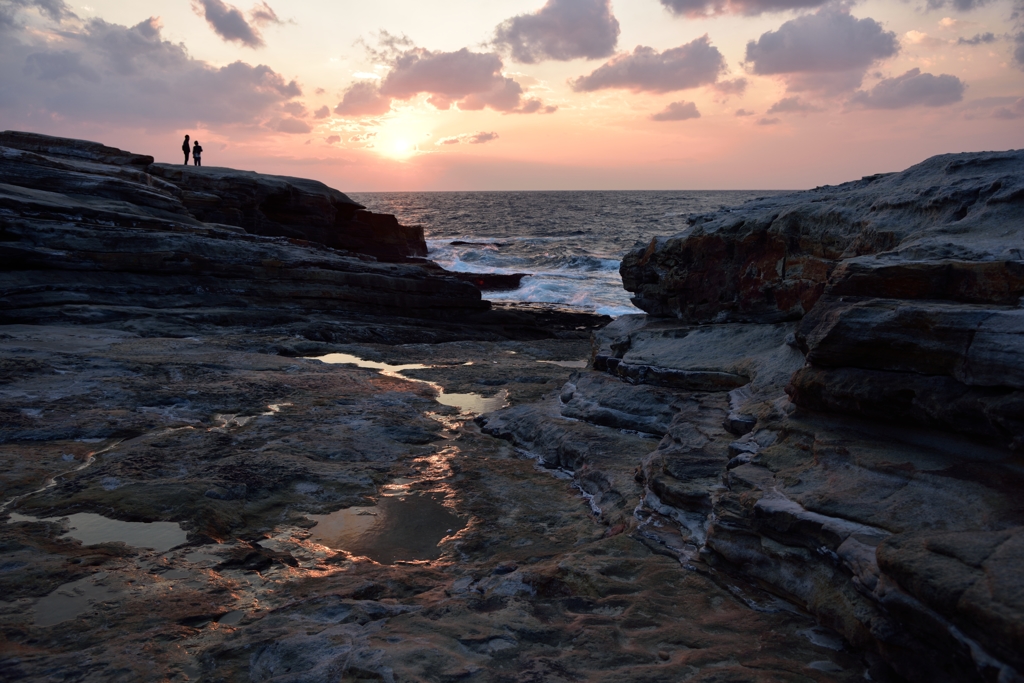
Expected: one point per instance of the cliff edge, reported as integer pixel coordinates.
(836, 380)
(91, 233)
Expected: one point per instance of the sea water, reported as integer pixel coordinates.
(569, 243)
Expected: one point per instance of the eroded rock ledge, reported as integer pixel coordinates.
(835, 380)
(92, 232)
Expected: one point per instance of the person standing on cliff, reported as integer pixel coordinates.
(197, 154)
(184, 148)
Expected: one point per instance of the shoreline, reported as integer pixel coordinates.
(779, 472)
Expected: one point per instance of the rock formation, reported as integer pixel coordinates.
(823, 413)
(90, 231)
(835, 377)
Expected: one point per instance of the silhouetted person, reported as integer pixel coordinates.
(197, 154)
(184, 148)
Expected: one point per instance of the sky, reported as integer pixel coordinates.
(404, 95)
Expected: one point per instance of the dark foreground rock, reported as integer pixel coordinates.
(89, 232)
(235, 438)
(835, 382)
(189, 494)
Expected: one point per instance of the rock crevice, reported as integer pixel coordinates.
(845, 371)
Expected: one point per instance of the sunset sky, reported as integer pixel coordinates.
(524, 94)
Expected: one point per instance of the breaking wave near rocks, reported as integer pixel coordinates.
(568, 245)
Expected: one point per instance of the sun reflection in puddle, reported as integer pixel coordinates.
(471, 404)
(574, 364)
(401, 527)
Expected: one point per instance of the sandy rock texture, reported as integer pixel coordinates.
(828, 384)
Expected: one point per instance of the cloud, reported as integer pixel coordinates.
(978, 39)
(560, 30)
(468, 138)
(481, 138)
(469, 80)
(828, 51)
(736, 86)
(744, 112)
(322, 113)
(1018, 54)
(677, 111)
(919, 38)
(534, 105)
(228, 22)
(705, 8)
(290, 125)
(130, 77)
(959, 5)
(262, 15)
(1013, 111)
(362, 137)
(59, 66)
(687, 66)
(332, 139)
(792, 105)
(56, 10)
(768, 122)
(363, 98)
(912, 89)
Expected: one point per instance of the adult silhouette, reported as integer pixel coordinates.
(184, 148)
(197, 153)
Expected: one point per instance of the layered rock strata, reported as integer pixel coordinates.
(90, 232)
(238, 442)
(834, 380)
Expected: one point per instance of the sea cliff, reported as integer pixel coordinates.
(835, 379)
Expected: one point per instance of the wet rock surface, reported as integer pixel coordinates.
(835, 384)
(822, 485)
(945, 229)
(246, 450)
(91, 233)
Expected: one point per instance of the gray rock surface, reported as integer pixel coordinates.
(948, 228)
(843, 368)
(91, 232)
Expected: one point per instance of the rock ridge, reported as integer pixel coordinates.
(89, 230)
(834, 378)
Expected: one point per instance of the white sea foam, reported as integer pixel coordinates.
(569, 244)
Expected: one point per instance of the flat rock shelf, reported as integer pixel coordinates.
(249, 434)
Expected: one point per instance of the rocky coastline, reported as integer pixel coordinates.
(835, 379)
(803, 464)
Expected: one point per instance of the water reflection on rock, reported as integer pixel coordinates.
(397, 529)
(467, 403)
(91, 529)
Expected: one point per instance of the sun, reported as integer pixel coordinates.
(402, 148)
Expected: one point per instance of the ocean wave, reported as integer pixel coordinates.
(570, 243)
(597, 295)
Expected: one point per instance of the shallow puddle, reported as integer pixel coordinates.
(574, 364)
(72, 599)
(91, 529)
(472, 404)
(383, 368)
(396, 529)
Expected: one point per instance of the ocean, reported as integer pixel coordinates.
(569, 243)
